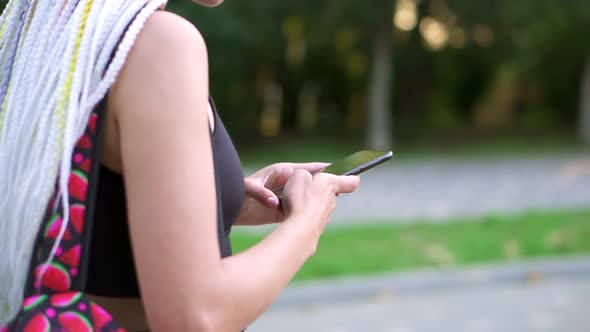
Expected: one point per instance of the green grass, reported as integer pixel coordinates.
(325, 149)
(363, 250)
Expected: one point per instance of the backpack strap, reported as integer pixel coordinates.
(68, 270)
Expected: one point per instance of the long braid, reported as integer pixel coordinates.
(30, 48)
(54, 67)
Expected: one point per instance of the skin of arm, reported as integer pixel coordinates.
(160, 105)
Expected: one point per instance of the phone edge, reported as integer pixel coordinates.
(371, 164)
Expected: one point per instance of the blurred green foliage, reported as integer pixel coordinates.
(462, 68)
(506, 66)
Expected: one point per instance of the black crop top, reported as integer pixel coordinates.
(111, 270)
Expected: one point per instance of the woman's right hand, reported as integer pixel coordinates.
(312, 198)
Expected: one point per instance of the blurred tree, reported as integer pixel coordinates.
(369, 62)
(379, 129)
(549, 47)
(584, 121)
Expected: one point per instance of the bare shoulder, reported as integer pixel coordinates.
(166, 29)
(167, 64)
(168, 40)
(169, 55)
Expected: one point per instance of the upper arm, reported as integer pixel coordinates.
(160, 100)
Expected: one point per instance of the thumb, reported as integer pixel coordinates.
(261, 194)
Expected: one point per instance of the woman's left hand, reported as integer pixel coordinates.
(261, 205)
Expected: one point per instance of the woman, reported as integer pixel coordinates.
(166, 184)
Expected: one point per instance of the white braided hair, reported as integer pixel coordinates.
(54, 69)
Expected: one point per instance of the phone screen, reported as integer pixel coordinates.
(358, 162)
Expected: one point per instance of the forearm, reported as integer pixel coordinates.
(254, 278)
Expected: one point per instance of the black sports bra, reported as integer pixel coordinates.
(111, 270)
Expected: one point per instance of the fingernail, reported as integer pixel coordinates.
(272, 201)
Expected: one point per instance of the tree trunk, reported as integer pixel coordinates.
(584, 122)
(379, 129)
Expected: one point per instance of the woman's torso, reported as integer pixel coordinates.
(111, 273)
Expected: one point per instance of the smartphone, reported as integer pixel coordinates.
(358, 163)
(354, 164)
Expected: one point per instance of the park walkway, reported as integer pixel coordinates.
(544, 296)
(438, 189)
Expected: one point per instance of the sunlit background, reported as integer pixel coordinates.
(482, 220)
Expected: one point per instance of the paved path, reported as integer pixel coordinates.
(557, 302)
(558, 305)
(440, 189)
